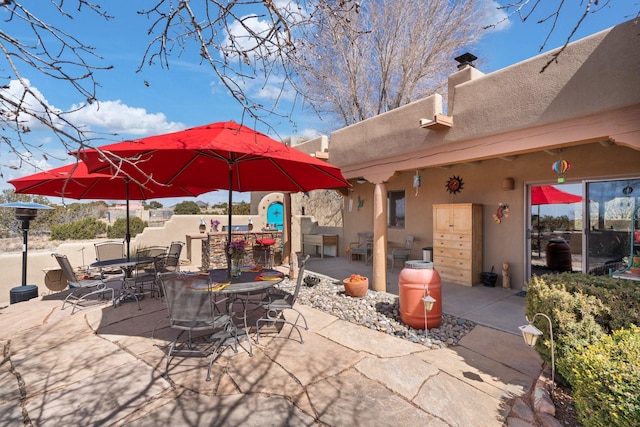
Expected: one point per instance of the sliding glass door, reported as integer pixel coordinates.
(609, 223)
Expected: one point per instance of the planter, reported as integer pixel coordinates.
(356, 289)
(635, 270)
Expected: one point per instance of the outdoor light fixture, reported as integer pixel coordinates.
(508, 184)
(428, 302)
(361, 180)
(25, 212)
(530, 335)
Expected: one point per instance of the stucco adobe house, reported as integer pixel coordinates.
(505, 127)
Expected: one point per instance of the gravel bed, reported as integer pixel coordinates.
(379, 311)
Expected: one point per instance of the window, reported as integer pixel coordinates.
(395, 209)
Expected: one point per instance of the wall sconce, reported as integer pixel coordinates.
(530, 335)
(508, 184)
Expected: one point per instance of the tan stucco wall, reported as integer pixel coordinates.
(483, 185)
(596, 74)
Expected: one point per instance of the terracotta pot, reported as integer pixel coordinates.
(356, 289)
(635, 270)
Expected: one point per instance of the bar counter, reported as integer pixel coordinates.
(213, 244)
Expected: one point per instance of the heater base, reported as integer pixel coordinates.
(23, 293)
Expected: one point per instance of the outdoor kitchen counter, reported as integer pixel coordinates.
(213, 244)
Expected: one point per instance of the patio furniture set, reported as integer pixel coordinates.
(129, 273)
(203, 303)
(199, 304)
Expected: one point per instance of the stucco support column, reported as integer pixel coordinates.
(286, 228)
(380, 237)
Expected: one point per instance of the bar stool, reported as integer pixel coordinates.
(263, 246)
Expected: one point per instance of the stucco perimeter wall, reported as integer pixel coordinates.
(593, 75)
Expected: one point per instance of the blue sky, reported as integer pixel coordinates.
(189, 94)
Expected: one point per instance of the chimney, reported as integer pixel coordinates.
(466, 72)
(466, 59)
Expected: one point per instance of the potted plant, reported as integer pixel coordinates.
(356, 286)
(634, 268)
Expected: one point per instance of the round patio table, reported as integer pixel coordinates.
(248, 283)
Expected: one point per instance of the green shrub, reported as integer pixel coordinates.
(87, 228)
(606, 380)
(573, 316)
(119, 228)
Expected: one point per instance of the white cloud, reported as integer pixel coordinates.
(33, 101)
(117, 117)
(109, 116)
(492, 16)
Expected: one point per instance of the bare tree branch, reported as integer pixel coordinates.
(358, 61)
(525, 9)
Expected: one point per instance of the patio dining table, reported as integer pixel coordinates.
(128, 292)
(250, 282)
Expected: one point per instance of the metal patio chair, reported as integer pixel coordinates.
(109, 250)
(145, 272)
(362, 248)
(275, 305)
(192, 311)
(175, 249)
(401, 254)
(99, 284)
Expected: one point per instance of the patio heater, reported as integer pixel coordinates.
(25, 212)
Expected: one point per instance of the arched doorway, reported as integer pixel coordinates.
(275, 215)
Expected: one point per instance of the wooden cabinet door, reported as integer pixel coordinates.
(442, 219)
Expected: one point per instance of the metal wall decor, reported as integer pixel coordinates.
(454, 184)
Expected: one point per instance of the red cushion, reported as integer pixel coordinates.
(265, 242)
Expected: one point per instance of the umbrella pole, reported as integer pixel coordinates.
(127, 236)
(229, 221)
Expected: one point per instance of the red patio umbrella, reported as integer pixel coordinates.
(550, 195)
(75, 182)
(223, 155)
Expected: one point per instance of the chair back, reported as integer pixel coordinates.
(66, 268)
(165, 264)
(364, 238)
(189, 300)
(109, 250)
(408, 242)
(175, 249)
(299, 282)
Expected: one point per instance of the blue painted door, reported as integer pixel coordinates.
(275, 215)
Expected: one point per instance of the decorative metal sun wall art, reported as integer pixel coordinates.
(454, 184)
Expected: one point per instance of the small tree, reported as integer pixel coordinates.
(119, 228)
(186, 208)
(84, 229)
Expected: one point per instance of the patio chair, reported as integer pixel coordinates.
(145, 271)
(109, 250)
(401, 254)
(163, 264)
(362, 248)
(192, 311)
(175, 249)
(76, 297)
(275, 305)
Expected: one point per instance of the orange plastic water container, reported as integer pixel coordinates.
(413, 282)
